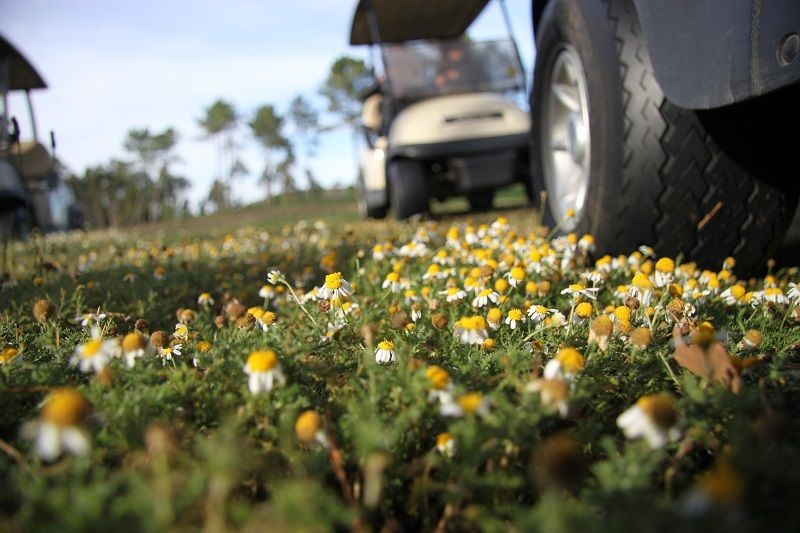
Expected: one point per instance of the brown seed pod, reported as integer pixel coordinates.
(219, 321)
(141, 326)
(400, 320)
(159, 339)
(43, 310)
(439, 320)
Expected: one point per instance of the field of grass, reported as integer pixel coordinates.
(291, 368)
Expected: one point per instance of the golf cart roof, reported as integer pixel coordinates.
(21, 73)
(408, 20)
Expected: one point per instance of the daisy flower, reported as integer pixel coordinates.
(205, 299)
(484, 297)
(384, 353)
(538, 313)
(441, 384)
(181, 332)
(93, 354)
(308, 428)
(794, 293)
(514, 315)
(665, 271)
(88, 319)
(467, 404)
(453, 294)
(652, 417)
(733, 295)
(471, 330)
(266, 320)
(60, 426)
(393, 282)
(774, 295)
(274, 276)
(168, 353)
(565, 365)
(641, 288)
(552, 393)
(335, 287)
(134, 345)
(267, 292)
(494, 317)
(576, 290)
(263, 370)
(446, 444)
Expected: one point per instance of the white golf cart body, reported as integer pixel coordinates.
(32, 192)
(462, 135)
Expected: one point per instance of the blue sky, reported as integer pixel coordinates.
(116, 65)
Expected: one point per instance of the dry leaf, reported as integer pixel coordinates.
(713, 364)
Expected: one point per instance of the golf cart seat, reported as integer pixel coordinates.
(32, 159)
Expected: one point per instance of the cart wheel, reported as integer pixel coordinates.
(620, 161)
(408, 188)
(481, 200)
(366, 211)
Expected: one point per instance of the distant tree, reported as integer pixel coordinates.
(304, 119)
(218, 196)
(152, 150)
(267, 128)
(314, 188)
(220, 122)
(348, 78)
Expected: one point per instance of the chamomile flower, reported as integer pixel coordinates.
(514, 316)
(266, 320)
(393, 282)
(733, 295)
(168, 353)
(384, 353)
(552, 393)
(134, 345)
(652, 417)
(515, 276)
(471, 403)
(774, 295)
(641, 288)
(308, 429)
(577, 290)
(494, 318)
(267, 292)
(471, 330)
(538, 313)
(335, 287)
(181, 332)
(565, 365)
(263, 370)
(60, 426)
(274, 276)
(93, 354)
(484, 297)
(205, 299)
(90, 319)
(446, 444)
(794, 293)
(665, 271)
(453, 294)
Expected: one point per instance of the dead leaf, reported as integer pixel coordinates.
(713, 364)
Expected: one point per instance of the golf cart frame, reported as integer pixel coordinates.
(439, 121)
(32, 193)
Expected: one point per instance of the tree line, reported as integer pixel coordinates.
(143, 187)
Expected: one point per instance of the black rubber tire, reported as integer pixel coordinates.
(409, 192)
(364, 210)
(481, 200)
(658, 178)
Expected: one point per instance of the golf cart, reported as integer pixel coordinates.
(32, 194)
(441, 119)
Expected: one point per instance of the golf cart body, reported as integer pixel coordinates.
(31, 190)
(442, 119)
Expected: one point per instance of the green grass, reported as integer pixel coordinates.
(185, 446)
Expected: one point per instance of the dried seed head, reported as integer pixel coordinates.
(400, 320)
(219, 321)
(439, 320)
(159, 339)
(141, 325)
(43, 310)
(632, 303)
(641, 337)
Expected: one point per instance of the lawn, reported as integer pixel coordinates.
(288, 367)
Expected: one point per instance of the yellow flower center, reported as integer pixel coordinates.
(442, 439)
(584, 310)
(333, 281)
(133, 341)
(262, 361)
(622, 313)
(737, 291)
(386, 345)
(66, 407)
(438, 377)
(571, 359)
(665, 265)
(642, 282)
(203, 346)
(92, 348)
(470, 402)
(307, 426)
(576, 287)
(8, 354)
(393, 277)
(268, 318)
(485, 293)
(494, 315)
(515, 314)
(518, 273)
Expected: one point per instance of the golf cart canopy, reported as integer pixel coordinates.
(408, 20)
(16, 71)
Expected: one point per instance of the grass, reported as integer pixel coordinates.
(510, 430)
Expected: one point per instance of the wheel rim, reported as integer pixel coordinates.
(566, 140)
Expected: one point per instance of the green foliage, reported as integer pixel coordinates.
(347, 79)
(186, 445)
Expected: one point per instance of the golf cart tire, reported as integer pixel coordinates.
(657, 177)
(481, 200)
(366, 211)
(409, 192)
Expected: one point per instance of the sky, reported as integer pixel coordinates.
(114, 65)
